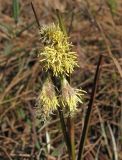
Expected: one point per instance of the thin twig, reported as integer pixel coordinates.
(89, 110)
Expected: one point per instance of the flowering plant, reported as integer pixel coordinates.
(56, 56)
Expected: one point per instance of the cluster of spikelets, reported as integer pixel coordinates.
(56, 56)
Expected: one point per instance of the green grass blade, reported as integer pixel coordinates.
(16, 10)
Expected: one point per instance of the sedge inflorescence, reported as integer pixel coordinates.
(56, 53)
(56, 56)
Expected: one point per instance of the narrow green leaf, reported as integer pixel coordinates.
(16, 10)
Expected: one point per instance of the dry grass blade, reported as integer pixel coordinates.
(104, 134)
(19, 77)
(115, 152)
(109, 50)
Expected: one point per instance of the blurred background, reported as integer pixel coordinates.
(95, 28)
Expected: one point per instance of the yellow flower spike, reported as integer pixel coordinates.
(56, 54)
(71, 96)
(47, 101)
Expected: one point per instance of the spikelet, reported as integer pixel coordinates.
(70, 96)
